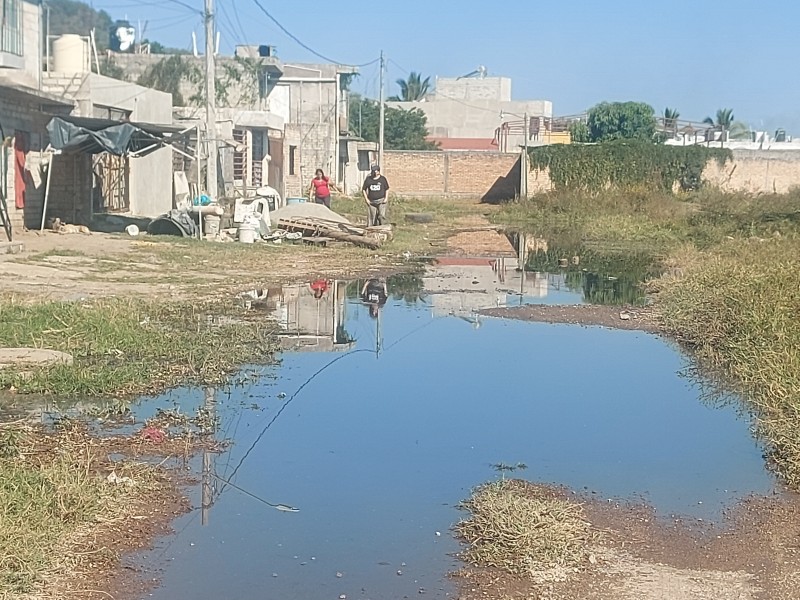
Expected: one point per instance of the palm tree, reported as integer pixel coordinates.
(671, 119)
(413, 89)
(724, 119)
(739, 131)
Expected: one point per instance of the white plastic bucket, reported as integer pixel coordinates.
(247, 233)
(211, 225)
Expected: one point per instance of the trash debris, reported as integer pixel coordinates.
(153, 434)
(316, 228)
(115, 479)
(132, 230)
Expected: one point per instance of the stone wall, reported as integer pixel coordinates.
(489, 176)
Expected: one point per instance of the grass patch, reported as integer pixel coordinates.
(523, 529)
(127, 346)
(661, 220)
(738, 309)
(52, 492)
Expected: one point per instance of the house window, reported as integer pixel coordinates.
(292, 159)
(11, 27)
(240, 155)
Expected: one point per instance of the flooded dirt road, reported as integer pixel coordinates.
(347, 461)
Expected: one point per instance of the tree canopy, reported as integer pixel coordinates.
(412, 89)
(403, 129)
(724, 118)
(70, 16)
(610, 121)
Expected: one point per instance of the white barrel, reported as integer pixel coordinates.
(70, 54)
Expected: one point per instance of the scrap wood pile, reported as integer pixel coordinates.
(318, 229)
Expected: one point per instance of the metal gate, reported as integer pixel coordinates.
(110, 189)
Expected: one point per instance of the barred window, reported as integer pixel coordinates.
(11, 27)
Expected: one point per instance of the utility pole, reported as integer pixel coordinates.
(211, 109)
(523, 180)
(382, 113)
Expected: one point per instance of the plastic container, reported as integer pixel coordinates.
(132, 230)
(211, 225)
(247, 233)
(295, 200)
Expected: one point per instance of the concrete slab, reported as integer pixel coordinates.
(32, 357)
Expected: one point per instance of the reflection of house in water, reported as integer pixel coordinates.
(308, 323)
(462, 286)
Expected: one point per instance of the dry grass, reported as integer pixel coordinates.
(53, 497)
(738, 308)
(523, 529)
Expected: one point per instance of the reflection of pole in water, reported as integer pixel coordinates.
(378, 333)
(522, 247)
(209, 405)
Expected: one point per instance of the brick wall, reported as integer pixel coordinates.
(485, 175)
(493, 176)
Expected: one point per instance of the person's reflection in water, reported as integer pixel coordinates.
(375, 293)
(319, 287)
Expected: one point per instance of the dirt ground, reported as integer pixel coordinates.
(755, 555)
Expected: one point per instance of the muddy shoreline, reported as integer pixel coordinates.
(587, 315)
(637, 555)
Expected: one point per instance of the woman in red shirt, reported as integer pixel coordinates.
(321, 187)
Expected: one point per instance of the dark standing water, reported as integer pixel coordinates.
(376, 441)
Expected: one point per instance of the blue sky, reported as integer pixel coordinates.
(696, 56)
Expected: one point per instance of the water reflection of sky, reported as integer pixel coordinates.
(375, 450)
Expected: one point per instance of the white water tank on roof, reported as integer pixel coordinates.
(70, 54)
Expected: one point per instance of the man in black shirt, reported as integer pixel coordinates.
(376, 195)
(375, 293)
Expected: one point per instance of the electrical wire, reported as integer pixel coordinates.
(283, 408)
(239, 27)
(300, 43)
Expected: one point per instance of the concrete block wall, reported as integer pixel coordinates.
(17, 115)
(757, 171)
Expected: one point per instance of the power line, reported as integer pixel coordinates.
(298, 41)
(239, 23)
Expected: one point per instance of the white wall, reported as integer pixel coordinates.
(476, 118)
(150, 183)
(468, 88)
(146, 105)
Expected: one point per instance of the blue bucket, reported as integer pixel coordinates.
(295, 200)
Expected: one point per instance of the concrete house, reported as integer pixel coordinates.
(25, 110)
(464, 113)
(103, 182)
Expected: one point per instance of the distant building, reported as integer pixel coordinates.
(282, 121)
(465, 113)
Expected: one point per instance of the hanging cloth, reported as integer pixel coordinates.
(20, 153)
